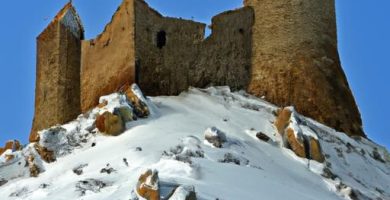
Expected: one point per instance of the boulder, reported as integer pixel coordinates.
(126, 113)
(183, 193)
(148, 185)
(9, 157)
(33, 168)
(327, 173)
(101, 105)
(377, 156)
(58, 141)
(283, 119)
(9, 145)
(3, 182)
(46, 154)
(136, 98)
(296, 144)
(13, 145)
(263, 137)
(110, 124)
(91, 185)
(315, 150)
(304, 146)
(215, 137)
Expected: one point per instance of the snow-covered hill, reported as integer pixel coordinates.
(171, 141)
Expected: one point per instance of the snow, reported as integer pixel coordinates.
(171, 142)
(113, 101)
(181, 193)
(214, 137)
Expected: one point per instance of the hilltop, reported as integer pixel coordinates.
(249, 159)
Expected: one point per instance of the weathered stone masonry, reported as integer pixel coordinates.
(285, 51)
(57, 92)
(108, 62)
(186, 58)
(295, 61)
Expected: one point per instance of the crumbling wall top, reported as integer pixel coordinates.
(68, 17)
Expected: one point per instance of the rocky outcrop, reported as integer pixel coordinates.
(283, 119)
(137, 100)
(263, 137)
(3, 182)
(46, 154)
(110, 124)
(20, 162)
(304, 146)
(9, 157)
(215, 137)
(90, 185)
(126, 114)
(133, 105)
(183, 193)
(13, 145)
(33, 167)
(295, 142)
(315, 150)
(148, 185)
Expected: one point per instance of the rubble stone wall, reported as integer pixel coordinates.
(57, 92)
(108, 61)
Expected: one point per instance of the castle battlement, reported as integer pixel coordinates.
(285, 51)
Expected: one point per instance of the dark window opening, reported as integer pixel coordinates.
(161, 39)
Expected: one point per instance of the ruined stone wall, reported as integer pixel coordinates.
(225, 56)
(108, 62)
(295, 61)
(187, 59)
(57, 92)
(164, 70)
(69, 79)
(283, 50)
(46, 77)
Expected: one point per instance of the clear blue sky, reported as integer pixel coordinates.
(364, 41)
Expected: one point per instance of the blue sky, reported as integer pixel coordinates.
(364, 41)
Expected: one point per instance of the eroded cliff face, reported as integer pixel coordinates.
(295, 61)
(108, 62)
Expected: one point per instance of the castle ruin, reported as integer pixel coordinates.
(285, 51)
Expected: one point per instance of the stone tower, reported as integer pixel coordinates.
(57, 92)
(285, 51)
(295, 61)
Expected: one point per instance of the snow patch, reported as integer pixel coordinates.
(245, 168)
